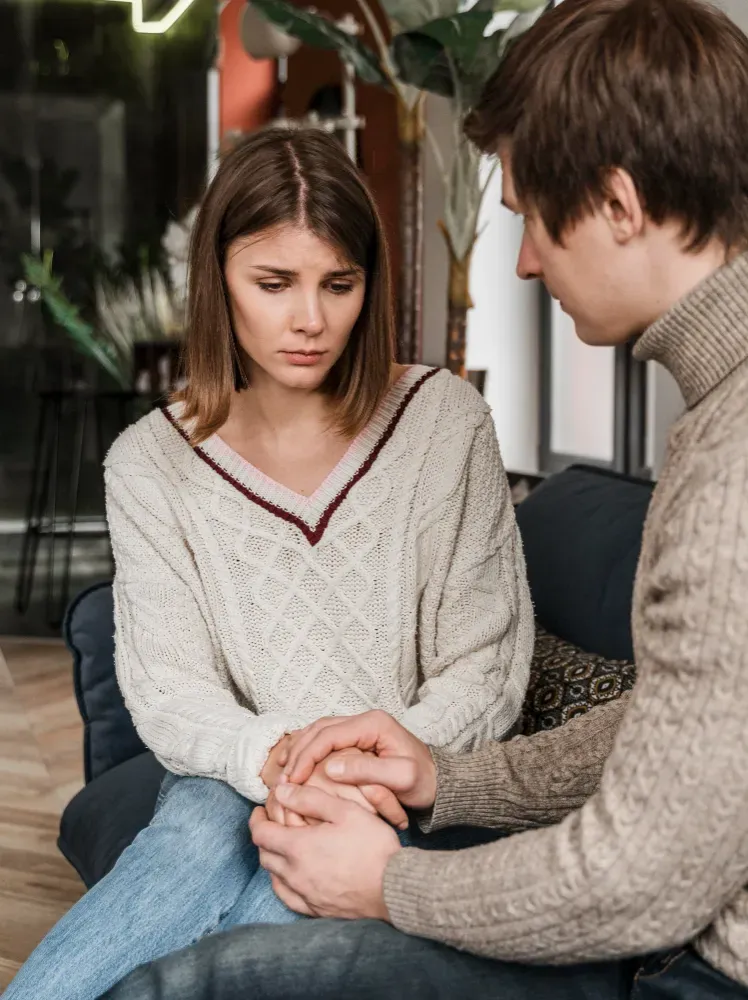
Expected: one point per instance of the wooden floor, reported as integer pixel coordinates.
(41, 769)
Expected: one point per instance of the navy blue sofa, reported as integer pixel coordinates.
(581, 531)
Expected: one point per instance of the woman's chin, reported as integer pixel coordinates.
(304, 377)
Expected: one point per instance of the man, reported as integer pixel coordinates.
(622, 128)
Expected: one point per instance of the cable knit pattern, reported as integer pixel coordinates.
(657, 855)
(244, 610)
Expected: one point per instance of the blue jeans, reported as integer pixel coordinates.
(368, 960)
(192, 872)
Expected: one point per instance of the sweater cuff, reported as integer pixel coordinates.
(463, 782)
(252, 750)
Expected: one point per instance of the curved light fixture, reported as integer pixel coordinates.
(145, 27)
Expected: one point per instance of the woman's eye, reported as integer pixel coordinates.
(340, 287)
(272, 286)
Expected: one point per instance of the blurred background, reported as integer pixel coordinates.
(113, 114)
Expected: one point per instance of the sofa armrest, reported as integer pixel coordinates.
(109, 736)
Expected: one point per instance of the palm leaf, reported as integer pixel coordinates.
(319, 31)
(66, 314)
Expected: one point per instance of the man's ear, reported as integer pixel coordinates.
(622, 207)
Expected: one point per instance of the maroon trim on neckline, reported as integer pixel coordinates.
(312, 535)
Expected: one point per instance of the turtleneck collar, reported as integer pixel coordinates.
(704, 336)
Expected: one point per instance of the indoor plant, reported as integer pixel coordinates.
(445, 47)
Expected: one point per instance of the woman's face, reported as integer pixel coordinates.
(294, 303)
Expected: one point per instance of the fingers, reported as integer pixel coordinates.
(294, 819)
(311, 803)
(271, 836)
(292, 899)
(398, 774)
(275, 811)
(386, 804)
(307, 735)
(362, 731)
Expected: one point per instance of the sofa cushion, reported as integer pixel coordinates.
(566, 682)
(107, 814)
(109, 736)
(581, 531)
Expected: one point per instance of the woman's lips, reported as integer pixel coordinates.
(303, 358)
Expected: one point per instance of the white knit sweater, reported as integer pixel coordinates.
(244, 610)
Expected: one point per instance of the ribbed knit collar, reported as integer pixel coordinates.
(704, 336)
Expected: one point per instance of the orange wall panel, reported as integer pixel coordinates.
(247, 89)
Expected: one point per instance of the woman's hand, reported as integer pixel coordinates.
(396, 759)
(374, 798)
(277, 759)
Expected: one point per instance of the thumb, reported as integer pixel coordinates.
(395, 773)
(312, 803)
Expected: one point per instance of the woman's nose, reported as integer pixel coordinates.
(308, 317)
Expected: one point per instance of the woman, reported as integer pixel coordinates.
(308, 530)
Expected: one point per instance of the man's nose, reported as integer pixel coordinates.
(528, 264)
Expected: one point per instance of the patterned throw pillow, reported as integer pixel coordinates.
(566, 682)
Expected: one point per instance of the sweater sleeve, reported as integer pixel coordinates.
(528, 781)
(476, 622)
(169, 665)
(655, 854)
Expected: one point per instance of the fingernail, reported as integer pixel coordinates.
(335, 767)
(283, 792)
(404, 826)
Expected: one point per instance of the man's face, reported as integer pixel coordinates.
(598, 280)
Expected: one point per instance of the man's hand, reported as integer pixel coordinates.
(374, 798)
(398, 760)
(332, 869)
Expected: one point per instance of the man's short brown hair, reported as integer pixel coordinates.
(658, 88)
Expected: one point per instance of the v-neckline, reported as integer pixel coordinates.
(311, 514)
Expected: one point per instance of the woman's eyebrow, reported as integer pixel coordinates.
(281, 272)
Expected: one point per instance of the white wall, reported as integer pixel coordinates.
(737, 9)
(503, 332)
(503, 326)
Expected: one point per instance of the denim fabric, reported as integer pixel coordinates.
(193, 871)
(368, 960)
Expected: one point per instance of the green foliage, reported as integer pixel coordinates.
(319, 31)
(66, 314)
(436, 46)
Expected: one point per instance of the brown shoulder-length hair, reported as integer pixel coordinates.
(658, 88)
(275, 177)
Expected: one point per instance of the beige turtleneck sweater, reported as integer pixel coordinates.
(649, 795)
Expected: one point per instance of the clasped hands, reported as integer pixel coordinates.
(319, 834)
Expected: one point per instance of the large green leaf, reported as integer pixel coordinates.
(66, 314)
(439, 55)
(500, 6)
(452, 56)
(406, 15)
(314, 29)
(422, 63)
